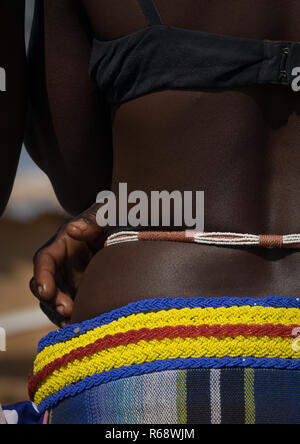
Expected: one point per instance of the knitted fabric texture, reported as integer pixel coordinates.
(166, 334)
(192, 396)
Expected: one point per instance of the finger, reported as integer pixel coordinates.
(85, 225)
(93, 235)
(59, 310)
(46, 264)
(48, 243)
(63, 305)
(85, 228)
(52, 315)
(62, 302)
(44, 276)
(33, 288)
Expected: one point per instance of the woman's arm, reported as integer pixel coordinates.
(60, 264)
(69, 128)
(12, 92)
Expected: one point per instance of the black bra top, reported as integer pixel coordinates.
(162, 57)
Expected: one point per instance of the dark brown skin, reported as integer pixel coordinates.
(241, 147)
(13, 101)
(69, 130)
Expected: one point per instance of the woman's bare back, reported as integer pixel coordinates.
(239, 146)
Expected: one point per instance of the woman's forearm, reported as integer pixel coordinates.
(13, 92)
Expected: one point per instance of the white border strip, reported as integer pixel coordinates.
(2, 417)
(24, 321)
(215, 396)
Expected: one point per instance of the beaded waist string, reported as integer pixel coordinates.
(217, 239)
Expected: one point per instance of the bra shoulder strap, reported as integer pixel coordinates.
(150, 12)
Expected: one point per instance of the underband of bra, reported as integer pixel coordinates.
(214, 238)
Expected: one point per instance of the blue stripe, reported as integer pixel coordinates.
(198, 397)
(71, 410)
(132, 396)
(232, 395)
(153, 305)
(111, 405)
(162, 365)
(277, 397)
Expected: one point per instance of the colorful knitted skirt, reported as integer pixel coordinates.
(175, 361)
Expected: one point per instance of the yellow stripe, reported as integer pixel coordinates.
(185, 316)
(182, 396)
(149, 351)
(249, 396)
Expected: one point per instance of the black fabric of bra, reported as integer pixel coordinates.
(167, 58)
(151, 13)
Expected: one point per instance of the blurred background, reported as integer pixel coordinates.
(32, 217)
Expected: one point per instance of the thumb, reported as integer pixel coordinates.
(85, 228)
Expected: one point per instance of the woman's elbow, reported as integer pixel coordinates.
(75, 196)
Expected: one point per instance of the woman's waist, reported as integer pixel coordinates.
(134, 271)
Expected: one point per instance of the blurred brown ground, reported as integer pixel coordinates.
(19, 241)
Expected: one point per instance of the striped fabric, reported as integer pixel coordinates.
(199, 396)
(161, 335)
(23, 413)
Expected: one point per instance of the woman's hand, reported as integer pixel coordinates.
(61, 262)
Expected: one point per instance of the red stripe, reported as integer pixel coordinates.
(146, 334)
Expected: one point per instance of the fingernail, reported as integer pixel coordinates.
(81, 224)
(60, 310)
(40, 290)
